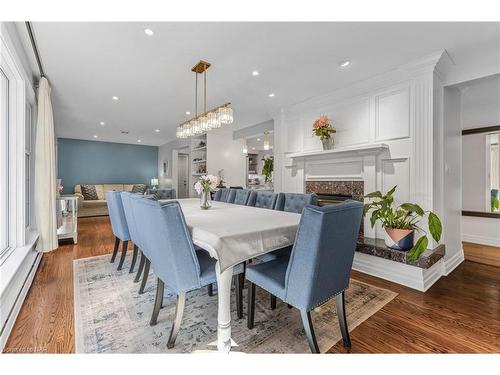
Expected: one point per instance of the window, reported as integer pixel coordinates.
(4, 162)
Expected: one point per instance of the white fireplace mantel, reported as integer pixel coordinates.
(358, 150)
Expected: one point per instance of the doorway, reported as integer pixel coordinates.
(182, 175)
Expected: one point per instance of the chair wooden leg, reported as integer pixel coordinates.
(238, 291)
(273, 302)
(340, 302)
(141, 267)
(145, 275)
(115, 249)
(134, 259)
(179, 310)
(160, 287)
(309, 330)
(124, 253)
(210, 289)
(251, 306)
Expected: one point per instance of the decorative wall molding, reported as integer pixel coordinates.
(392, 114)
(453, 262)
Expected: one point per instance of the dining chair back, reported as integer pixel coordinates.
(262, 199)
(119, 225)
(239, 196)
(294, 202)
(168, 243)
(321, 259)
(221, 195)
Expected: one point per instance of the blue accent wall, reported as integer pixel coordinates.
(90, 162)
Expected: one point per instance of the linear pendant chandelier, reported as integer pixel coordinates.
(208, 120)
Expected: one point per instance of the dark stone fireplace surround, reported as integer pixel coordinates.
(354, 189)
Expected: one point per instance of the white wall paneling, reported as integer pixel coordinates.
(392, 114)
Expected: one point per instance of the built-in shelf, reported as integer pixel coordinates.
(199, 161)
(200, 148)
(369, 149)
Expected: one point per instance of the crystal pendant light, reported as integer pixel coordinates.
(266, 141)
(226, 115)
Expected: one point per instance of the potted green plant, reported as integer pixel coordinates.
(267, 168)
(322, 128)
(401, 222)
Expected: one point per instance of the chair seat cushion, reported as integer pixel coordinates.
(207, 267)
(275, 254)
(270, 275)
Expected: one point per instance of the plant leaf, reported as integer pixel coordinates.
(418, 249)
(375, 194)
(435, 226)
(413, 208)
(374, 217)
(390, 192)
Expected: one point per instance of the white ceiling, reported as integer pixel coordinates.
(88, 63)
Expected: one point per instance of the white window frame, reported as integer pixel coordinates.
(16, 149)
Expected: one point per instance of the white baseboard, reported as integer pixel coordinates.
(400, 273)
(453, 262)
(483, 240)
(9, 324)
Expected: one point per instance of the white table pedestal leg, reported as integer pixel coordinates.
(224, 308)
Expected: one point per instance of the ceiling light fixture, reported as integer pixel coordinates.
(271, 95)
(139, 141)
(258, 139)
(102, 123)
(188, 113)
(266, 140)
(208, 120)
(344, 64)
(157, 130)
(255, 73)
(149, 32)
(115, 98)
(245, 147)
(95, 136)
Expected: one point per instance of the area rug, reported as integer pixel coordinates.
(112, 317)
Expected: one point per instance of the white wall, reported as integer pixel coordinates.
(480, 107)
(223, 152)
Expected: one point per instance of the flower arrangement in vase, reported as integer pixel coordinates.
(323, 129)
(401, 222)
(204, 186)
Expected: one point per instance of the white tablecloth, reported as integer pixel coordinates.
(234, 233)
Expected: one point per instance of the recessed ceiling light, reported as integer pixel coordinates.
(271, 95)
(95, 136)
(344, 64)
(188, 113)
(139, 141)
(102, 123)
(157, 130)
(253, 148)
(258, 139)
(149, 32)
(255, 73)
(115, 98)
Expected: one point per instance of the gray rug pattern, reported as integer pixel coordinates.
(112, 317)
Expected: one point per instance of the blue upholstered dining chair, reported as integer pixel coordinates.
(135, 235)
(176, 263)
(318, 267)
(119, 227)
(294, 202)
(238, 196)
(262, 199)
(221, 195)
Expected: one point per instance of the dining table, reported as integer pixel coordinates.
(233, 234)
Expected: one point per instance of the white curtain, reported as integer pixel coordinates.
(45, 171)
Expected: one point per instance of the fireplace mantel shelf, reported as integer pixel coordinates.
(368, 149)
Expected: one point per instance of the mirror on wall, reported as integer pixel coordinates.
(260, 161)
(481, 171)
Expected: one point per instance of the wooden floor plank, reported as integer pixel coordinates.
(459, 314)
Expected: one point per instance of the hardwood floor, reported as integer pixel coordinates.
(459, 314)
(482, 253)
